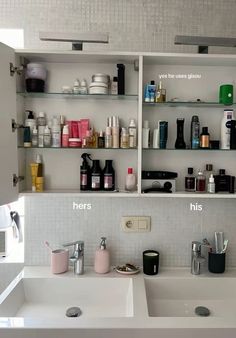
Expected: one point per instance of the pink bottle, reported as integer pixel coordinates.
(102, 258)
(65, 136)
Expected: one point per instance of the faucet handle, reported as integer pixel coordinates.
(196, 246)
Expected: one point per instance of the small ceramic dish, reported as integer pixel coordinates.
(127, 269)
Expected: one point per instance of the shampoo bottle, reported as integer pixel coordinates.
(225, 131)
(102, 258)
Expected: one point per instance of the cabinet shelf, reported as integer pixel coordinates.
(179, 194)
(189, 104)
(185, 194)
(74, 148)
(80, 193)
(78, 96)
(200, 149)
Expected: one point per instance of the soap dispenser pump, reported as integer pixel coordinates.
(102, 258)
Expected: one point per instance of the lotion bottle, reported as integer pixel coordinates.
(225, 131)
(146, 134)
(102, 258)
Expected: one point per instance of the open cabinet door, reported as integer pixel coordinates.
(8, 139)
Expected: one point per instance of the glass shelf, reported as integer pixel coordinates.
(188, 104)
(200, 149)
(79, 96)
(74, 148)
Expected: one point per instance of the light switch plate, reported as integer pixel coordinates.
(136, 223)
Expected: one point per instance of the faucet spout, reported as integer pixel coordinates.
(77, 257)
(196, 258)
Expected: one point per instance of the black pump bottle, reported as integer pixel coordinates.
(85, 173)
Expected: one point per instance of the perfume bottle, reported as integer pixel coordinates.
(179, 143)
(160, 93)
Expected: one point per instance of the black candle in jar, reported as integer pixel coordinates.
(150, 262)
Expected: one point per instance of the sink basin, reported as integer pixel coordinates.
(51, 297)
(178, 297)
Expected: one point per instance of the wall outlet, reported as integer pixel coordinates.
(136, 223)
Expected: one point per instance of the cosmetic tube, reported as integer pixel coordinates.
(34, 172)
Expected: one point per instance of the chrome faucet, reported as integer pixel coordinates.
(196, 257)
(78, 256)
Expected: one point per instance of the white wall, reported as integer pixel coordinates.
(140, 25)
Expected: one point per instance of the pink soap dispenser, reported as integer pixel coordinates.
(102, 258)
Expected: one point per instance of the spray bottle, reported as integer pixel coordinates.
(85, 173)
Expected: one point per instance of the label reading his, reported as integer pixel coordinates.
(195, 207)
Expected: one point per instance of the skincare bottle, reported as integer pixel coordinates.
(195, 132)
(146, 93)
(83, 88)
(101, 140)
(179, 143)
(200, 182)
(124, 138)
(132, 134)
(76, 87)
(34, 139)
(130, 181)
(211, 185)
(30, 121)
(108, 138)
(114, 86)
(65, 136)
(163, 131)
(85, 173)
(27, 137)
(146, 134)
(160, 93)
(47, 137)
(41, 123)
(156, 137)
(56, 133)
(115, 132)
(225, 131)
(208, 171)
(96, 176)
(152, 91)
(39, 180)
(102, 258)
(108, 176)
(205, 138)
(190, 181)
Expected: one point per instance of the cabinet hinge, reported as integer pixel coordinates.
(16, 179)
(17, 70)
(15, 126)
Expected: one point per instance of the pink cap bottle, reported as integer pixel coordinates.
(102, 258)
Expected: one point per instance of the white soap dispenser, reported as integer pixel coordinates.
(102, 258)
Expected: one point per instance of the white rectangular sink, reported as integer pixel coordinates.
(51, 297)
(178, 297)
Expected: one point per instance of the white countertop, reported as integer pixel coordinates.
(140, 319)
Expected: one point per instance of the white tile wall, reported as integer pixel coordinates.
(141, 25)
(174, 226)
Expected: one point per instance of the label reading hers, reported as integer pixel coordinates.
(81, 206)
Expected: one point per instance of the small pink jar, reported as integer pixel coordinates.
(59, 260)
